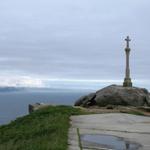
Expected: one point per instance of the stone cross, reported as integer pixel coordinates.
(127, 40)
(127, 80)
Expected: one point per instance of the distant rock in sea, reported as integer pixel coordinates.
(116, 95)
(11, 89)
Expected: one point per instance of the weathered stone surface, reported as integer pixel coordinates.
(86, 100)
(116, 95)
(36, 106)
(130, 127)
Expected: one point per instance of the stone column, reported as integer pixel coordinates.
(127, 80)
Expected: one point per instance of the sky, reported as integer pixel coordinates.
(68, 42)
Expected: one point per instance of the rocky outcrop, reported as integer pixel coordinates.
(116, 95)
(36, 106)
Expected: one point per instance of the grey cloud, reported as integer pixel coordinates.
(74, 39)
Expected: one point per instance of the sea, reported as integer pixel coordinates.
(14, 103)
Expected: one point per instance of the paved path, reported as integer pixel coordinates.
(131, 127)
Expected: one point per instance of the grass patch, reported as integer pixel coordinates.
(45, 129)
(134, 112)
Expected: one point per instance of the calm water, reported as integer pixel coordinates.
(15, 104)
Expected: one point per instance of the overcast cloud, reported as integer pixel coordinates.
(72, 40)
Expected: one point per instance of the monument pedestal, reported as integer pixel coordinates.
(127, 82)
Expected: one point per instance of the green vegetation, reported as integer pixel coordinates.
(45, 129)
(134, 112)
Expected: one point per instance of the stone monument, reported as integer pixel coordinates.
(127, 79)
(124, 95)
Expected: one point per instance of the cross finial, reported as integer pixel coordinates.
(127, 40)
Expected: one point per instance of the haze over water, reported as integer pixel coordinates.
(15, 103)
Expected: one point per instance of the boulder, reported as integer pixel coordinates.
(36, 106)
(116, 95)
(86, 101)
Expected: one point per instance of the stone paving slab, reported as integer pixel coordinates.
(132, 127)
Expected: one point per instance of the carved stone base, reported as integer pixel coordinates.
(127, 82)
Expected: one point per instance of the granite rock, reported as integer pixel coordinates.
(116, 95)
